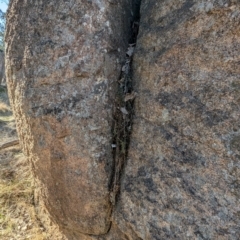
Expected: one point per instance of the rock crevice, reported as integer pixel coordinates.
(63, 60)
(124, 108)
(129, 141)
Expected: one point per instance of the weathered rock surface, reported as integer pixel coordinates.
(181, 177)
(63, 62)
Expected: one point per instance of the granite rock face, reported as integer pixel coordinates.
(181, 178)
(63, 62)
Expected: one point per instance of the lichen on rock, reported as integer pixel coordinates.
(178, 176)
(63, 62)
(181, 179)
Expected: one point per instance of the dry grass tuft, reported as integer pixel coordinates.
(18, 219)
(4, 107)
(17, 215)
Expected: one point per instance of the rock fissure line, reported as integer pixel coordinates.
(124, 109)
(182, 164)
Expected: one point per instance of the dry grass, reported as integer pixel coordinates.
(17, 215)
(18, 220)
(4, 107)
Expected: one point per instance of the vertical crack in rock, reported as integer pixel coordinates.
(124, 109)
(62, 82)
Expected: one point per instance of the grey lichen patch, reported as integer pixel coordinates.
(235, 143)
(236, 86)
(100, 88)
(180, 99)
(186, 155)
(215, 117)
(59, 110)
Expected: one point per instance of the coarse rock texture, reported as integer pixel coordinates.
(182, 178)
(63, 62)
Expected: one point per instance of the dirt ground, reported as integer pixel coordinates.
(17, 215)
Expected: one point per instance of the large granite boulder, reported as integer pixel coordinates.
(179, 177)
(63, 62)
(182, 178)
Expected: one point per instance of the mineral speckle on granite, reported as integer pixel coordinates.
(63, 62)
(181, 180)
(181, 176)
